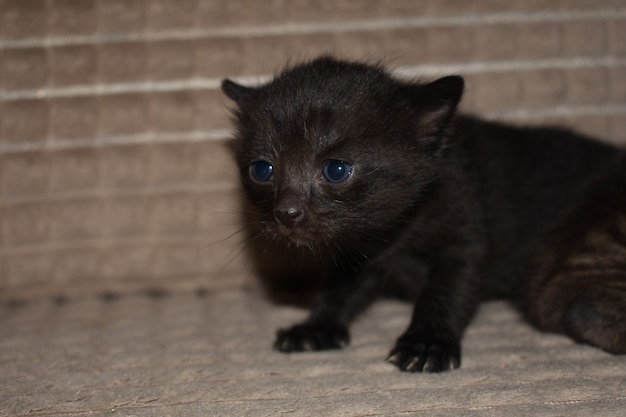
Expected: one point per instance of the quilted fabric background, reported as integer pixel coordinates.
(113, 169)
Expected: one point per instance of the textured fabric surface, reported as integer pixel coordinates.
(208, 354)
(118, 199)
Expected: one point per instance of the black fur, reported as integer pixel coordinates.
(442, 209)
(579, 284)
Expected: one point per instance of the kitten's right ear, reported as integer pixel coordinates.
(438, 101)
(234, 91)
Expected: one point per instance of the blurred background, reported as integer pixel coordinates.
(114, 170)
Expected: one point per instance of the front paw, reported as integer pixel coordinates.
(310, 337)
(421, 352)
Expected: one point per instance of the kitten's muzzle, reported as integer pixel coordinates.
(289, 216)
(289, 207)
(291, 225)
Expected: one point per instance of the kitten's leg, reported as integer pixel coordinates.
(432, 342)
(599, 322)
(327, 325)
(579, 285)
(590, 308)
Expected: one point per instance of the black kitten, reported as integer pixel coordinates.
(380, 189)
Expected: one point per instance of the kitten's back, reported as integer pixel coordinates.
(527, 179)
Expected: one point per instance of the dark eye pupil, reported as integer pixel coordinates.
(336, 171)
(261, 171)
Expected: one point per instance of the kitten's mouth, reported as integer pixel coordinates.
(298, 236)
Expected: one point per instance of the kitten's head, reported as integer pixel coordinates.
(332, 151)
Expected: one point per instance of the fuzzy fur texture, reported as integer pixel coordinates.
(440, 208)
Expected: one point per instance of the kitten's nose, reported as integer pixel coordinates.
(289, 216)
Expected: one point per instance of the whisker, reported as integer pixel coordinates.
(347, 255)
(230, 236)
(218, 212)
(241, 249)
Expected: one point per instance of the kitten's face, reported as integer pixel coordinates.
(331, 152)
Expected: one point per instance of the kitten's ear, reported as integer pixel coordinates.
(437, 102)
(234, 91)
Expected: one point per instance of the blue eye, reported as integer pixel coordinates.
(336, 171)
(261, 171)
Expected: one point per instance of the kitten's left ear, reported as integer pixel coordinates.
(437, 102)
(234, 91)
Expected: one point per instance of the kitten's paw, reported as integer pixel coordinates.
(311, 337)
(600, 323)
(417, 352)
